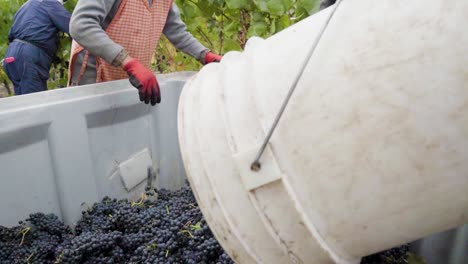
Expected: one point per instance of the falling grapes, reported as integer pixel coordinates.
(169, 229)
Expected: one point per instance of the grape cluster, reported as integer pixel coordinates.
(166, 229)
(33, 241)
(398, 255)
(161, 227)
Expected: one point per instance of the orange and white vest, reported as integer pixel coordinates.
(137, 27)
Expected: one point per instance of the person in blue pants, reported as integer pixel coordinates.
(33, 42)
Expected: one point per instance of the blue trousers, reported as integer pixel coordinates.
(30, 70)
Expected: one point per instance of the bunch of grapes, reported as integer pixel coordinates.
(169, 229)
(166, 229)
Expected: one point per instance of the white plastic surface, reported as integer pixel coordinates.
(134, 170)
(372, 150)
(62, 148)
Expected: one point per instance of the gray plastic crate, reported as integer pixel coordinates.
(64, 149)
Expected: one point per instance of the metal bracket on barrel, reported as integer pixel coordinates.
(251, 179)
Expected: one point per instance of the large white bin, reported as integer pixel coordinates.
(371, 152)
(61, 148)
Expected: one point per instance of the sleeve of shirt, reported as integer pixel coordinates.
(176, 32)
(59, 16)
(85, 28)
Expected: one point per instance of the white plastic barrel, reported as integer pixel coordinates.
(371, 152)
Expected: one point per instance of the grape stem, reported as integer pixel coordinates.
(140, 202)
(187, 232)
(29, 258)
(59, 258)
(24, 232)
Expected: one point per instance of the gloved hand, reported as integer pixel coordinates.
(211, 57)
(144, 80)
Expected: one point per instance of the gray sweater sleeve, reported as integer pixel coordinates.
(85, 28)
(176, 32)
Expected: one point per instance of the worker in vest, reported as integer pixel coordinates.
(33, 42)
(117, 39)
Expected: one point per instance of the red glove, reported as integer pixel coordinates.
(211, 57)
(144, 80)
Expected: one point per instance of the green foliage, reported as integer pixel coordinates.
(7, 11)
(59, 70)
(224, 26)
(220, 25)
